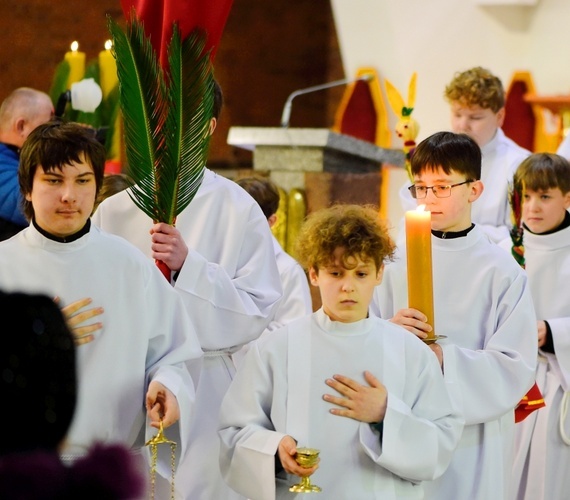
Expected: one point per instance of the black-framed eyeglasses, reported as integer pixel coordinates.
(439, 190)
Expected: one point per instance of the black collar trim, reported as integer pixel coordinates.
(563, 225)
(67, 239)
(452, 234)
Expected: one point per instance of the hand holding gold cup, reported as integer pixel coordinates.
(307, 458)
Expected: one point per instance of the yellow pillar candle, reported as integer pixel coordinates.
(107, 70)
(418, 249)
(108, 79)
(76, 60)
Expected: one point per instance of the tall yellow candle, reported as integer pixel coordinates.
(107, 70)
(418, 249)
(76, 60)
(108, 79)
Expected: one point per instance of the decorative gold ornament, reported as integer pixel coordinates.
(306, 457)
(160, 438)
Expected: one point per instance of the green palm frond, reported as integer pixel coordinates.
(166, 117)
(144, 105)
(191, 101)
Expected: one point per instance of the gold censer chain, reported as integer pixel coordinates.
(160, 438)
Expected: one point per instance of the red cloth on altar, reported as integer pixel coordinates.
(159, 15)
(532, 401)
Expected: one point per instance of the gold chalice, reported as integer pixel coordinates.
(306, 457)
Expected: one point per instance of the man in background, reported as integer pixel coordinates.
(20, 113)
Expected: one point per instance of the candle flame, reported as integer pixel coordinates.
(108, 44)
(421, 208)
(74, 46)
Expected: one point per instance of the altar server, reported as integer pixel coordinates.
(482, 304)
(542, 459)
(137, 358)
(364, 392)
(223, 266)
(476, 99)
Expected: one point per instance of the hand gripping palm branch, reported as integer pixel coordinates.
(166, 116)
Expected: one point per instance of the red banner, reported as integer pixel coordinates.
(159, 15)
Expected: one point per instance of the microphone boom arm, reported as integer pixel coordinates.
(286, 115)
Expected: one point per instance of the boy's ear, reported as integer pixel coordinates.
(380, 275)
(477, 189)
(313, 277)
(500, 117)
(272, 219)
(213, 123)
(567, 200)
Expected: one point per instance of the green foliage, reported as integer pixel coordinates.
(166, 117)
(105, 114)
(110, 109)
(59, 82)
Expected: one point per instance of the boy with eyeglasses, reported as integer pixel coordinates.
(482, 304)
(476, 100)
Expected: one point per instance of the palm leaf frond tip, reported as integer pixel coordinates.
(166, 117)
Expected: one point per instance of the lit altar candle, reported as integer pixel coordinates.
(107, 70)
(76, 62)
(418, 249)
(108, 79)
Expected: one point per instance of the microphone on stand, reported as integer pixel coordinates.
(286, 115)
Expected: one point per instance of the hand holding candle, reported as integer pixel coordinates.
(418, 250)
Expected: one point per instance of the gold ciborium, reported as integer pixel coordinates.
(306, 457)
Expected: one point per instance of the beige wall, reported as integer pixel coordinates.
(436, 38)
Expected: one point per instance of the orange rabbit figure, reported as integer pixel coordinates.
(407, 127)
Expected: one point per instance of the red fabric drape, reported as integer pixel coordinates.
(159, 15)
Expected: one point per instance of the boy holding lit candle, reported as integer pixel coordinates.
(476, 100)
(482, 304)
(361, 390)
(542, 453)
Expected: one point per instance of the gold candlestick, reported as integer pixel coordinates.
(306, 457)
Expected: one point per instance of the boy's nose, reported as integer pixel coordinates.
(532, 204)
(431, 193)
(68, 194)
(348, 286)
(461, 125)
